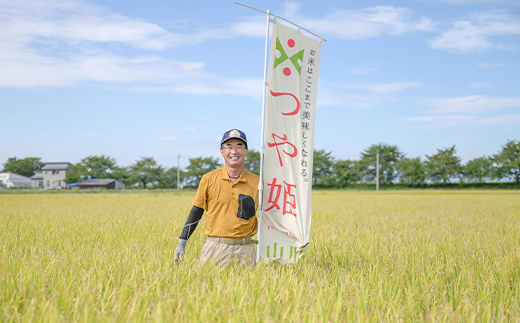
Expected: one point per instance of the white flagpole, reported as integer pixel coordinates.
(264, 104)
(262, 144)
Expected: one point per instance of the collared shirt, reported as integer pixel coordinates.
(230, 208)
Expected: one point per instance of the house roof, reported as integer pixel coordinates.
(97, 182)
(19, 181)
(55, 167)
(13, 176)
(36, 177)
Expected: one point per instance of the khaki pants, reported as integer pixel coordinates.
(219, 253)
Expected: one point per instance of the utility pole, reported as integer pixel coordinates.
(377, 171)
(178, 172)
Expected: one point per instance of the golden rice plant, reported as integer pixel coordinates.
(385, 256)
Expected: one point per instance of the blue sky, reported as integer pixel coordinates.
(132, 79)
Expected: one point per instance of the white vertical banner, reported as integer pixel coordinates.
(285, 220)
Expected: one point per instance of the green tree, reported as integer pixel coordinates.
(168, 178)
(443, 166)
(145, 171)
(252, 161)
(411, 171)
(389, 157)
(507, 161)
(25, 166)
(322, 168)
(198, 167)
(479, 169)
(74, 175)
(346, 172)
(122, 174)
(96, 167)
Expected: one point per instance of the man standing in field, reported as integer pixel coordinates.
(229, 195)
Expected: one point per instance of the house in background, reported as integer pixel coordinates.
(11, 180)
(52, 175)
(108, 183)
(37, 179)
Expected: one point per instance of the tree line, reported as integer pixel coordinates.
(441, 168)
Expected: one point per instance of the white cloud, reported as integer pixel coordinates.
(474, 2)
(442, 118)
(76, 21)
(367, 23)
(339, 98)
(383, 88)
(334, 94)
(28, 69)
(363, 70)
(290, 9)
(480, 85)
(210, 85)
(251, 87)
(435, 121)
(490, 65)
(251, 26)
(464, 37)
(344, 24)
(190, 129)
(47, 43)
(89, 134)
(478, 33)
(475, 110)
(167, 138)
(53, 43)
(499, 120)
(471, 104)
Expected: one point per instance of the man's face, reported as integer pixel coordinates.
(234, 152)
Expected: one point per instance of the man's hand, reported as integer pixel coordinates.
(179, 251)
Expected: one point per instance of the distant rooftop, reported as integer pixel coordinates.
(100, 179)
(55, 167)
(96, 182)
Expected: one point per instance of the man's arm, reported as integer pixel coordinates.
(190, 226)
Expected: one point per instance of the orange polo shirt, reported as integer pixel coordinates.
(230, 210)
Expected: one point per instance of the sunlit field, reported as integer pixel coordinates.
(387, 256)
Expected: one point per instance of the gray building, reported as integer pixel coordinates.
(52, 175)
(37, 179)
(108, 183)
(12, 180)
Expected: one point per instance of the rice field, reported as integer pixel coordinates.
(409, 256)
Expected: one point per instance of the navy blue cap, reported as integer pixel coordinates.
(234, 134)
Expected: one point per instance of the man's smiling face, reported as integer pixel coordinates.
(234, 152)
